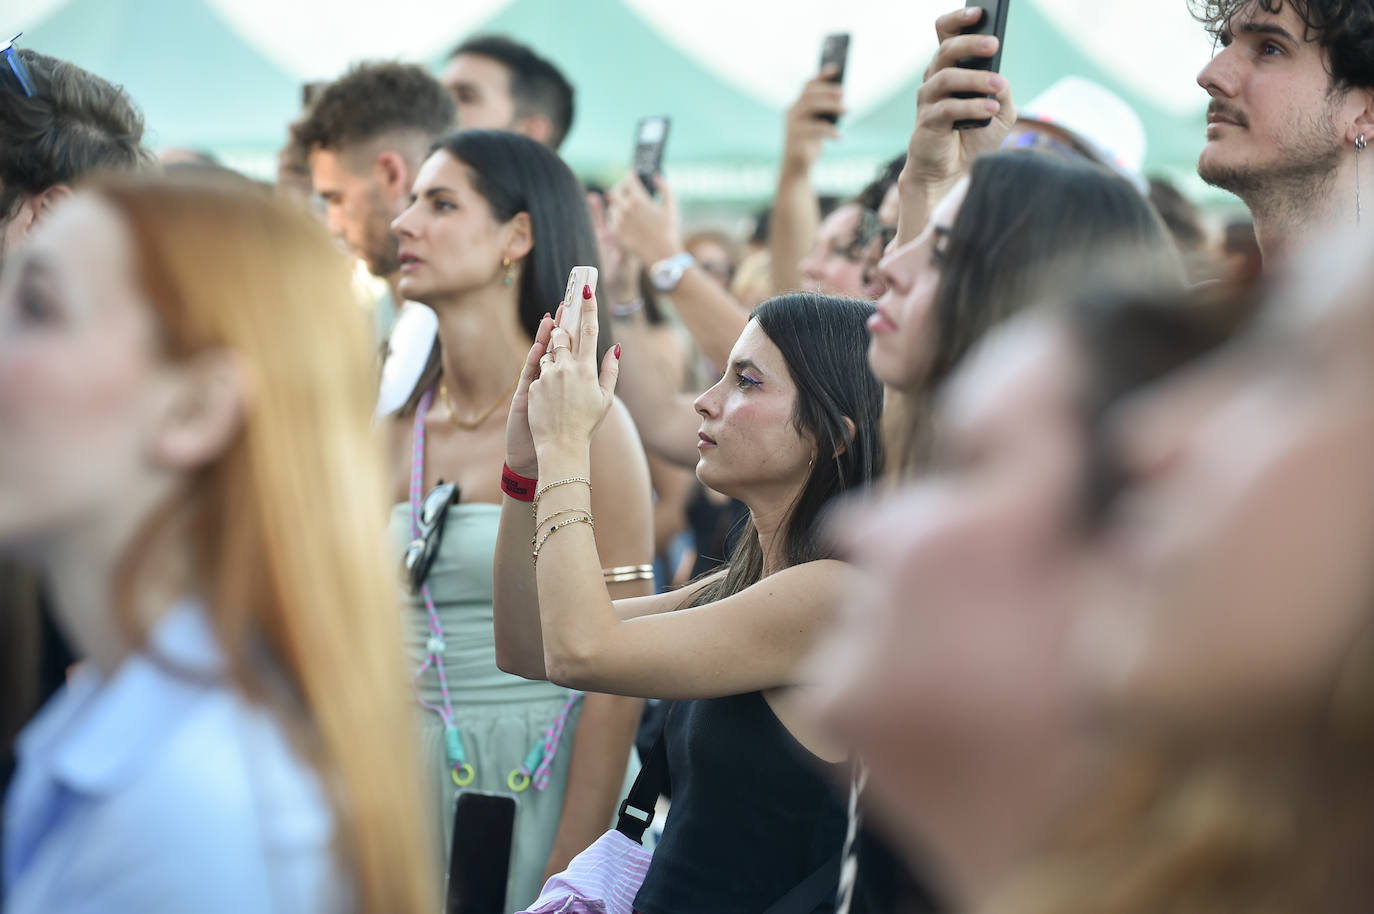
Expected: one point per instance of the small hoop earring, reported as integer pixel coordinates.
(510, 270)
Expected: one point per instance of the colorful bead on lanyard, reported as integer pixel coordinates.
(459, 769)
(538, 763)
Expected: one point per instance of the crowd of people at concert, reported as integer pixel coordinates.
(996, 539)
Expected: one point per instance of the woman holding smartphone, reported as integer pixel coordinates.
(789, 427)
(495, 225)
(187, 461)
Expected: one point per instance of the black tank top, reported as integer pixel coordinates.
(754, 813)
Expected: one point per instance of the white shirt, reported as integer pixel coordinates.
(162, 789)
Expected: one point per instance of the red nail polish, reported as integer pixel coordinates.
(548, 316)
(586, 292)
(617, 351)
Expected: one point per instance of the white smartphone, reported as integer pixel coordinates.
(572, 298)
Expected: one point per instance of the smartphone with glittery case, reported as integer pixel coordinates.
(479, 855)
(572, 298)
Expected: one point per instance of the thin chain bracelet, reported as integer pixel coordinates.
(534, 507)
(563, 513)
(534, 555)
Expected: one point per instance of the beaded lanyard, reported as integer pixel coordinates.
(538, 763)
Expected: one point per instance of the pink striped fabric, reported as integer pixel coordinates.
(603, 879)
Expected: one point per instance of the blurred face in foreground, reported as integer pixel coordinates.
(946, 670)
(1234, 573)
(79, 380)
(100, 425)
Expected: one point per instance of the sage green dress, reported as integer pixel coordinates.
(499, 716)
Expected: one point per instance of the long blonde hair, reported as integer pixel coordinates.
(287, 522)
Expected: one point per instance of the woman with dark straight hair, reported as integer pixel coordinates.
(495, 224)
(999, 242)
(791, 425)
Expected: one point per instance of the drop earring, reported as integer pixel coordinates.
(1360, 144)
(510, 270)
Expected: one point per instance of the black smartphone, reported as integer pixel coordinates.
(651, 134)
(479, 857)
(834, 53)
(994, 22)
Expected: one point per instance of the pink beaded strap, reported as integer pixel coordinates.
(459, 769)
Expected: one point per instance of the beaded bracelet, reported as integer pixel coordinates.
(584, 519)
(534, 508)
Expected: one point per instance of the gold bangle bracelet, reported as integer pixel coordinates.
(629, 576)
(534, 555)
(622, 569)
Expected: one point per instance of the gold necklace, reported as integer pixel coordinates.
(474, 424)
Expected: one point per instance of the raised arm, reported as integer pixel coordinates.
(937, 154)
(796, 211)
(753, 640)
(649, 231)
(665, 417)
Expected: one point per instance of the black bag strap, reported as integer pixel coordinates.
(812, 891)
(637, 809)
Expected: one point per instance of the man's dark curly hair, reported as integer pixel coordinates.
(372, 99)
(1343, 28)
(73, 124)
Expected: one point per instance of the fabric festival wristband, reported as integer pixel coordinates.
(521, 488)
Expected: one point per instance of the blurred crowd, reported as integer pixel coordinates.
(430, 530)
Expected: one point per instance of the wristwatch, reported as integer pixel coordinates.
(667, 273)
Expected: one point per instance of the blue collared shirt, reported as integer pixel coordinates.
(163, 789)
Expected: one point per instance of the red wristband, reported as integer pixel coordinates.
(521, 488)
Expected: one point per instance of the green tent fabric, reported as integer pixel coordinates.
(623, 69)
(197, 81)
(203, 85)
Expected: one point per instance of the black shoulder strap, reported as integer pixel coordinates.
(637, 810)
(812, 891)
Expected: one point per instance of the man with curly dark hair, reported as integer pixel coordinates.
(366, 135)
(1292, 87)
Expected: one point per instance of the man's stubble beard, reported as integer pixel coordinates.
(1301, 172)
(383, 247)
(383, 255)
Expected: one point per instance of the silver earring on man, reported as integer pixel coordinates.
(1359, 148)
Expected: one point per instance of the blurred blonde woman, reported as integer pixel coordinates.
(186, 457)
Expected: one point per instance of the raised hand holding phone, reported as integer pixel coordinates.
(834, 57)
(992, 23)
(572, 298)
(651, 135)
(572, 394)
(940, 152)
